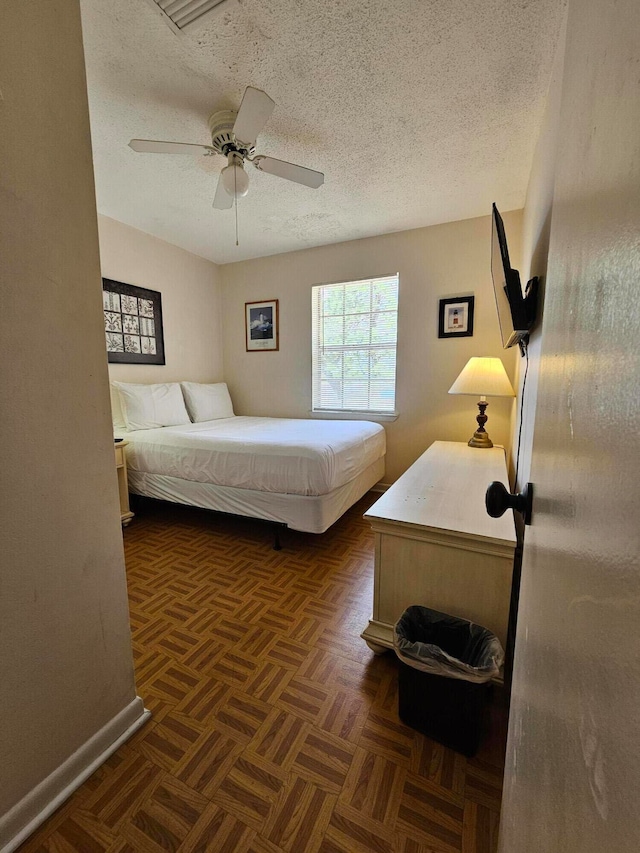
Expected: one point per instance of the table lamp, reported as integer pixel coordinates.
(483, 377)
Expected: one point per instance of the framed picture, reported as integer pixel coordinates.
(261, 325)
(455, 317)
(132, 323)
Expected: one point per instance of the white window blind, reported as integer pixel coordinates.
(354, 335)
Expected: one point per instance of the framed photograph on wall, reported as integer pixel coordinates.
(132, 323)
(261, 325)
(455, 317)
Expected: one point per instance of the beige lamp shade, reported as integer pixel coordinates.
(483, 377)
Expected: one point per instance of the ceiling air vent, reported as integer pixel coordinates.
(178, 14)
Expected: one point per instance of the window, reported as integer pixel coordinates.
(354, 333)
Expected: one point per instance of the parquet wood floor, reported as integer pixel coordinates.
(274, 727)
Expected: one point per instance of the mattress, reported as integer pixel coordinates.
(282, 455)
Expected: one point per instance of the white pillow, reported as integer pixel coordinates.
(151, 406)
(207, 402)
(116, 410)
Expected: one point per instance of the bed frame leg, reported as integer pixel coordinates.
(276, 541)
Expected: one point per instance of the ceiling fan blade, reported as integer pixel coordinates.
(154, 146)
(290, 171)
(222, 200)
(254, 112)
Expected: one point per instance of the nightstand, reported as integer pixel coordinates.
(123, 487)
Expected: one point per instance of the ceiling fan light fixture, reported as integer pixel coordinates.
(235, 181)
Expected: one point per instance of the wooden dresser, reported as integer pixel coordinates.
(436, 546)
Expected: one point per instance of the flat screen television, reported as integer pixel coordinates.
(516, 313)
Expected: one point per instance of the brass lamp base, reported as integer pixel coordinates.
(480, 439)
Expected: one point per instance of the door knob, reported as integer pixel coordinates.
(498, 500)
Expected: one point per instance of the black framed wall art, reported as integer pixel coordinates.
(132, 323)
(261, 325)
(455, 317)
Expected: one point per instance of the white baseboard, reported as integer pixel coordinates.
(33, 809)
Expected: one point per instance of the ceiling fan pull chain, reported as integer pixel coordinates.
(235, 186)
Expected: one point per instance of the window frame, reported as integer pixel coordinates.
(317, 348)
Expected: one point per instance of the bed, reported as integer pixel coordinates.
(302, 473)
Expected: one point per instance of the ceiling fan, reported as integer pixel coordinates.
(233, 135)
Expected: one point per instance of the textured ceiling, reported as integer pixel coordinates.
(417, 111)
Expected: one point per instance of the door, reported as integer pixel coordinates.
(572, 777)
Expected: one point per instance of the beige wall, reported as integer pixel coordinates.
(436, 262)
(65, 659)
(190, 303)
(536, 227)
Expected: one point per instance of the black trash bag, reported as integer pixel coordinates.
(439, 644)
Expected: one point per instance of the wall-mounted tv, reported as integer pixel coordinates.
(516, 313)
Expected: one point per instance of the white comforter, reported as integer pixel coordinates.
(300, 457)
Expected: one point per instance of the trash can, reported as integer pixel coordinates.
(445, 667)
